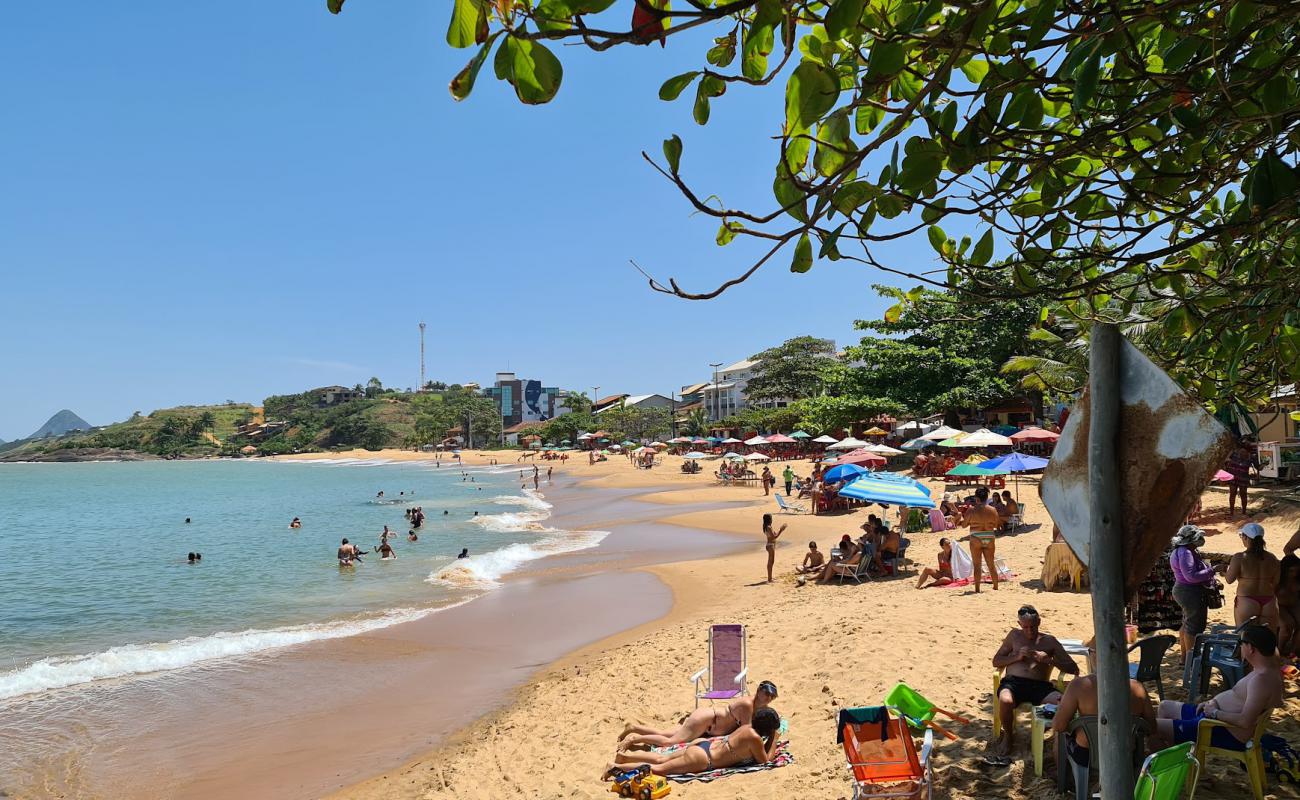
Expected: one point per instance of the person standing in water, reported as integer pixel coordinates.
(772, 536)
(464, 553)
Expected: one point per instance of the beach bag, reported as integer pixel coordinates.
(1214, 595)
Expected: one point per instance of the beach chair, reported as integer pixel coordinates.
(1252, 758)
(919, 712)
(790, 507)
(882, 757)
(858, 572)
(1165, 773)
(1072, 776)
(997, 679)
(724, 677)
(1151, 655)
(900, 558)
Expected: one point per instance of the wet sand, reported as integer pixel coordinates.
(301, 722)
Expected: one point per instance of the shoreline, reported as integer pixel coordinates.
(381, 734)
(826, 647)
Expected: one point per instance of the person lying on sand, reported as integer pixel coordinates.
(702, 722)
(748, 744)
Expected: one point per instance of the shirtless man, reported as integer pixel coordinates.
(754, 743)
(712, 721)
(348, 554)
(1026, 657)
(983, 521)
(1081, 699)
(1241, 707)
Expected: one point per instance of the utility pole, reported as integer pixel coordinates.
(717, 405)
(672, 410)
(595, 395)
(420, 388)
(1106, 565)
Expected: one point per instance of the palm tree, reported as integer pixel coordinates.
(697, 422)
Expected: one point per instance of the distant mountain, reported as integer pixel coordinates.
(61, 423)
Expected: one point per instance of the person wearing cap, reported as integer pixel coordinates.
(1256, 572)
(1026, 658)
(1240, 708)
(1193, 581)
(702, 722)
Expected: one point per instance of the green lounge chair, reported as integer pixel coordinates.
(1164, 774)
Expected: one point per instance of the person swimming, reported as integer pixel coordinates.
(187, 520)
(411, 536)
(297, 523)
(194, 557)
(464, 553)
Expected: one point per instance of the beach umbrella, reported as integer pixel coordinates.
(974, 471)
(954, 441)
(1015, 462)
(699, 440)
(1223, 475)
(778, 438)
(875, 487)
(874, 431)
(918, 427)
(628, 443)
(799, 435)
(916, 444)
(826, 440)
(758, 457)
(986, 438)
(1034, 434)
(681, 440)
(696, 454)
(884, 450)
(756, 441)
(715, 439)
(734, 456)
(658, 444)
(940, 433)
(731, 440)
(843, 472)
(859, 457)
(565, 441)
(847, 443)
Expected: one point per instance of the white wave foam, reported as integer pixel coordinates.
(529, 499)
(142, 659)
(486, 570)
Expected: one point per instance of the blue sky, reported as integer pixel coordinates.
(205, 202)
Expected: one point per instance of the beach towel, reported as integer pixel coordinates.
(962, 566)
(781, 758)
(938, 522)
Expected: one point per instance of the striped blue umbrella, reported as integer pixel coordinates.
(895, 490)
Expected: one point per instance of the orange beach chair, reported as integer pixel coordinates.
(882, 756)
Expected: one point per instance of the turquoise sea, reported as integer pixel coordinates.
(97, 586)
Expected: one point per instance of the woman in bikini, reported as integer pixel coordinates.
(1256, 573)
(943, 575)
(754, 743)
(702, 722)
(1288, 606)
(772, 536)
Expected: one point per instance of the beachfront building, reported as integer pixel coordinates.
(647, 401)
(608, 401)
(512, 435)
(524, 400)
(1275, 421)
(725, 395)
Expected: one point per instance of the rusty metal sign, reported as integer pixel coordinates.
(1168, 449)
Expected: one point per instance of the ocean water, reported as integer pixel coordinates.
(96, 585)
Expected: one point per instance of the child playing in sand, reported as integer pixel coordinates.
(813, 560)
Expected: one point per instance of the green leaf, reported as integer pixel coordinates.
(1085, 81)
(725, 234)
(1271, 180)
(866, 118)
(893, 313)
(701, 109)
(463, 83)
(533, 70)
(934, 212)
(335, 6)
(802, 261)
(843, 18)
(833, 142)
(810, 92)
(790, 196)
(830, 245)
(468, 19)
(851, 195)
(724, 50)
(674, 86)
(937, 238)
(673, 152)
(759, 38)
(975, 70)
(886, 60)
(983, 249)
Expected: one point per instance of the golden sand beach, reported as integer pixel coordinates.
(825, 647)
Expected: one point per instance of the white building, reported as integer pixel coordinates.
(725, 394)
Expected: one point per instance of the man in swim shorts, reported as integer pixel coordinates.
(1026, 658)
(711, 721)
(983, 521)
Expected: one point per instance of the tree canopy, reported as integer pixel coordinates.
(793, 369)
(1137, 156)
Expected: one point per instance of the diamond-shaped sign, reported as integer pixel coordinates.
(1168, 449)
